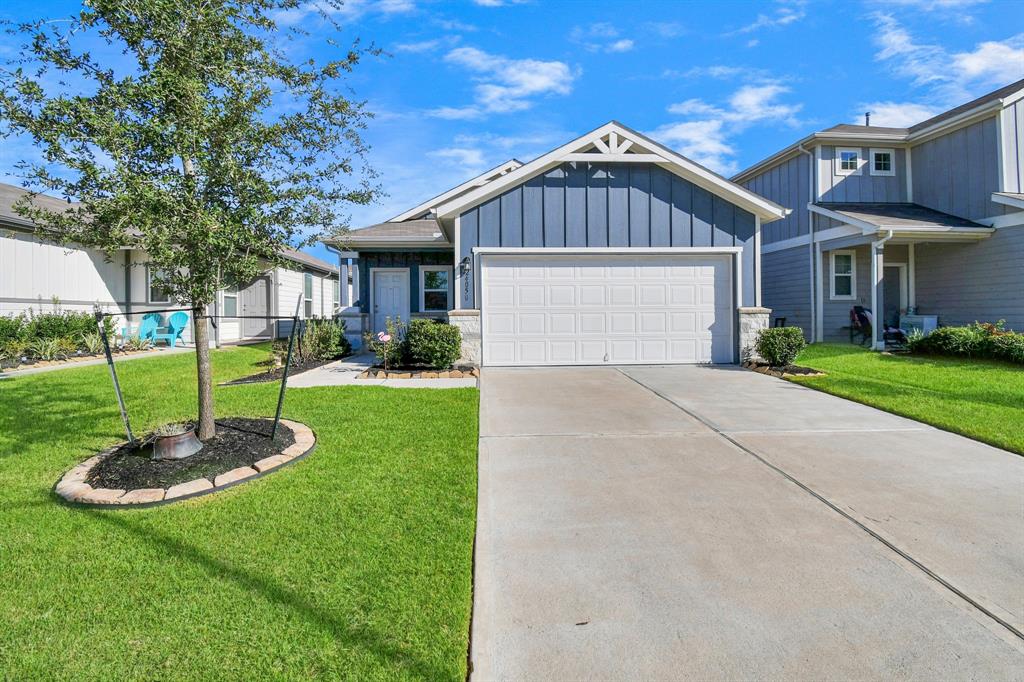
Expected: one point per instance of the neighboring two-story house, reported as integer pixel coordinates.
(927, 220)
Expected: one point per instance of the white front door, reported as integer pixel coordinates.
(390, 297)
(614, 309)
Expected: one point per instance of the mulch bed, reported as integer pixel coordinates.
(239, 442)
(787, 370)
(278, 372)
(458, 372)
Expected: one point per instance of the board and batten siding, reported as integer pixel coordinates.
(787, 184)
(958, 172)
(785, 286)
(584, 204)
(981, 281)
(1013, 147)
(33, 272)
(863, 187)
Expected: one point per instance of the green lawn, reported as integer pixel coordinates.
(353, 563)
(981, 399)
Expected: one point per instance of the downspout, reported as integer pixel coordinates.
(810, 252)
(876, 247)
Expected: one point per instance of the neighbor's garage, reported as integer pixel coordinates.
(615, 309)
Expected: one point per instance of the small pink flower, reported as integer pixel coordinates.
(384, 338)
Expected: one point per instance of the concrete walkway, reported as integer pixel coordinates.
(346, 373)
(714, 523)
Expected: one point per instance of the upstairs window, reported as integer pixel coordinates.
(847, 161)
(230, 301)
(883, 162)
(844, 275)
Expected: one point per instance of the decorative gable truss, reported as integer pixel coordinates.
(612, 143)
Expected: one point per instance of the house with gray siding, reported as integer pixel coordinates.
(924, 224)
(610, 249)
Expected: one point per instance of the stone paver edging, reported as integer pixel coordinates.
(73, 488)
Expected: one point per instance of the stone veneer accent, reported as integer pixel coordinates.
(468, 322)
(751, 321)
(73, 488)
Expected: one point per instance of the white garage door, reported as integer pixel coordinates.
(588, 310)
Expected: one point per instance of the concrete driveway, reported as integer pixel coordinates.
(699, 522)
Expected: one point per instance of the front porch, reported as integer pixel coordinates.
(872, 271)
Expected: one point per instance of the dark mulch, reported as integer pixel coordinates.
(239, 442)
(780, 371)
(277, 373)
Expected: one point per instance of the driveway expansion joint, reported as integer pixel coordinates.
(833, 506)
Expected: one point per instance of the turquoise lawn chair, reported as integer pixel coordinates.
(176, 324)
(149, 327)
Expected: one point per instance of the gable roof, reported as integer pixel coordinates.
(10, 194)
(424, 209)
(858, 134)
(615, 143)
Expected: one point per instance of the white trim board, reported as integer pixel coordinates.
(479, 180)
(604, 250)
(640, 144)
(804, 239)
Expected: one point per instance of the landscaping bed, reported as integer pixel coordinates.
(239, 442)
(276, 373)
(460, 372)
(783, 370)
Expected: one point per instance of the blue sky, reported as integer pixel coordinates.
(467, 85)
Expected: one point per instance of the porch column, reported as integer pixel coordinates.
(877, 299)
(356, 294)
(911, 277)
(343, 298)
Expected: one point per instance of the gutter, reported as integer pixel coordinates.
(811, 176)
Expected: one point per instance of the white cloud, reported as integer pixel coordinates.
(665, 29)
(786, 13)
(470, 158)
(349, 11)
(894, 114)
(753, 42)
(506, 85)
(706, 138)
(421, 46)
(954, 77)
(600, 37)
(498, 3)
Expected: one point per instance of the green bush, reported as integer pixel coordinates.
(779, 346)
(979, 340)
(13, 350)
(434, 344)
(323, 340)
(11, 328)
(390, 353)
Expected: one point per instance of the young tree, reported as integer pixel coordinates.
(203, 142)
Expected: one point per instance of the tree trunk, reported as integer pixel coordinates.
(206, 429)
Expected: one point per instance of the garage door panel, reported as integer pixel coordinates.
(607, 309)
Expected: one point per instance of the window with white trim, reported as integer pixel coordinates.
(843, 266)
(883, 162)
(847, 161)
(230, 301)
(435, 288)
(155, 293)
(307, 294)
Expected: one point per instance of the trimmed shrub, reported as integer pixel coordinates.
(779, 346)
(434, 344)
(979, 340)
(324, 340)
